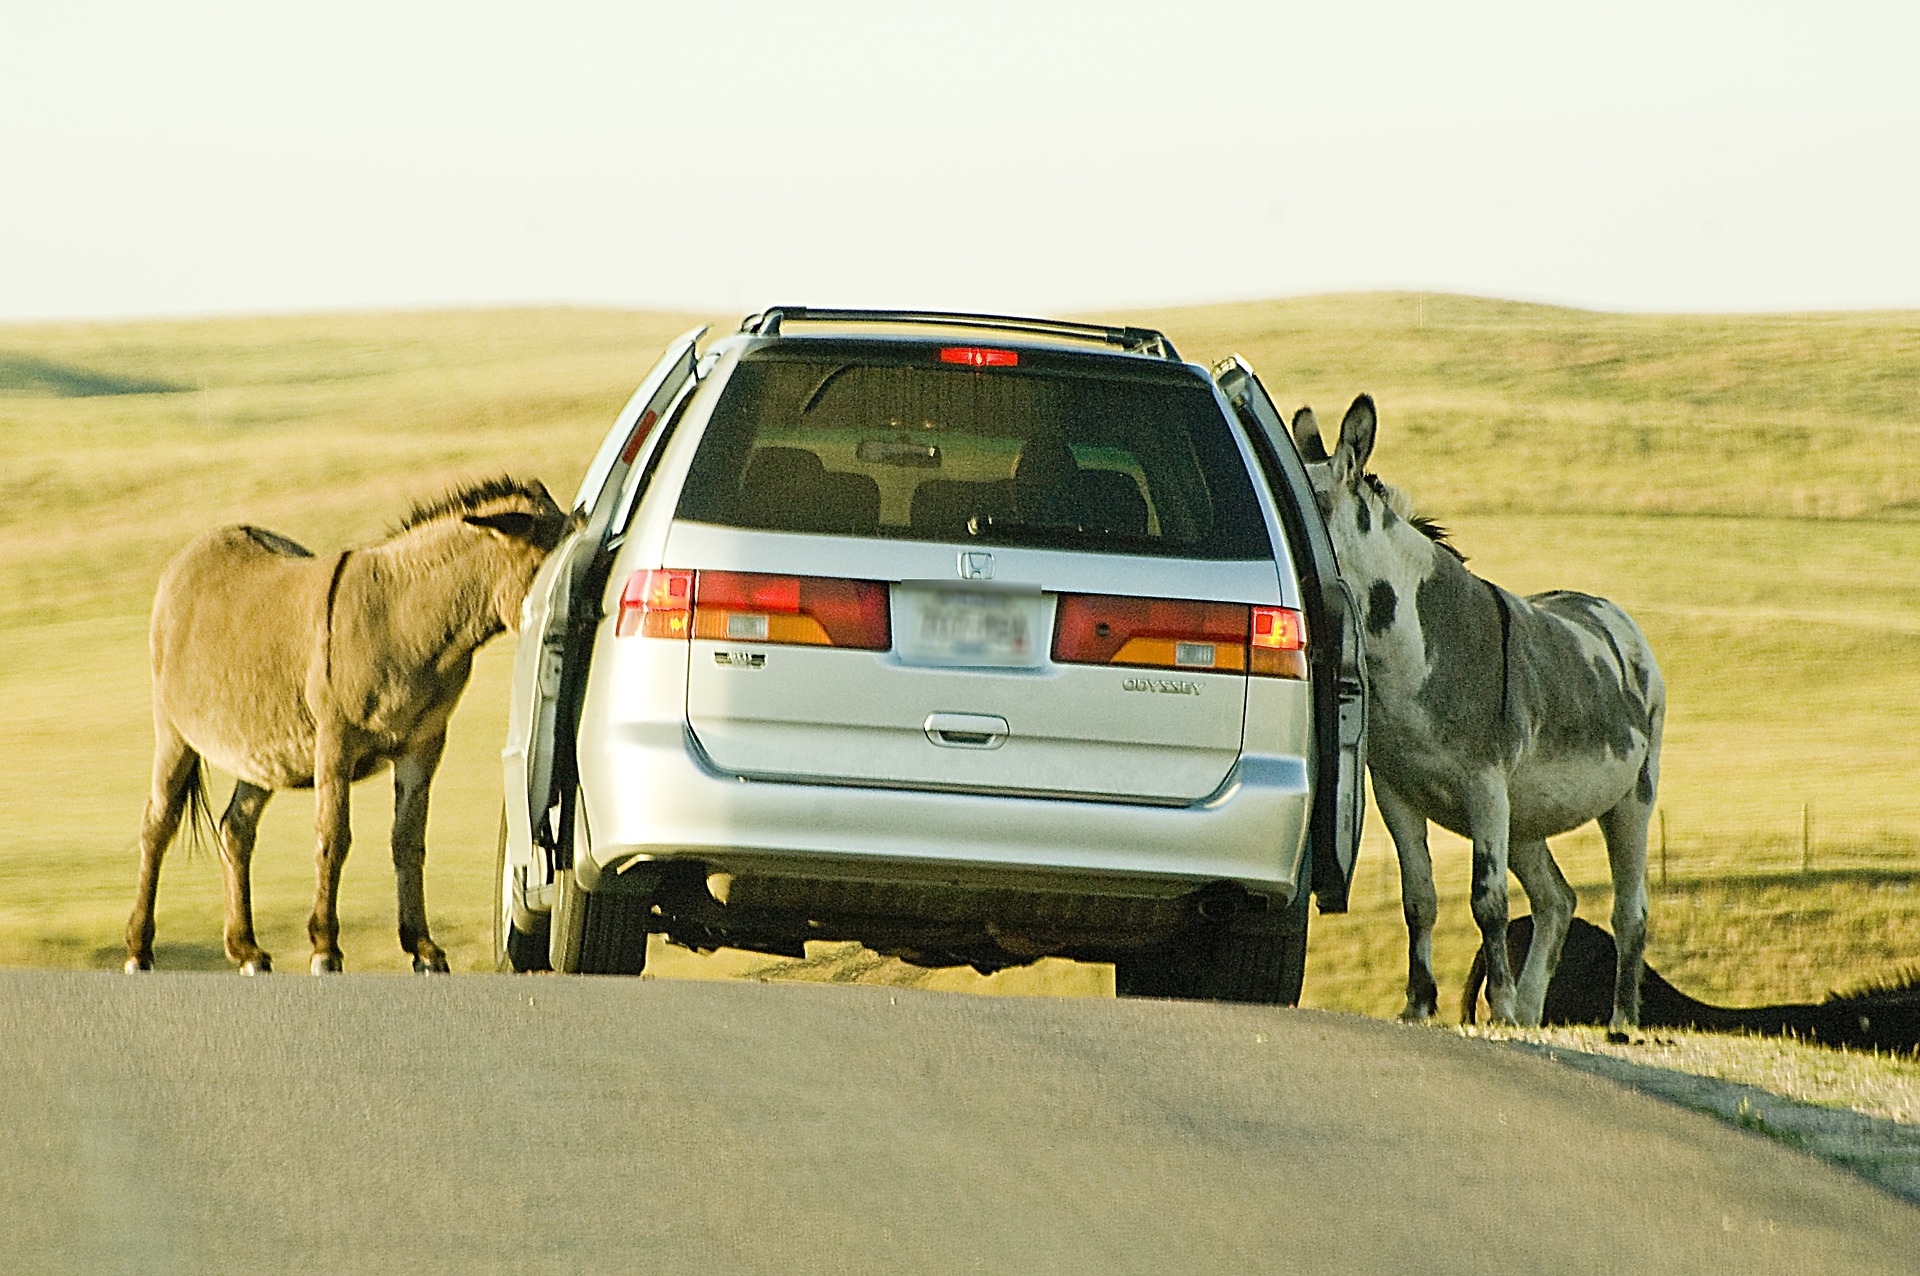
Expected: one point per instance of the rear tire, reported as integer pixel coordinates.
(519, 933)
(1293, 962)
(1261, 960)
(595, 932)
(1221, 965)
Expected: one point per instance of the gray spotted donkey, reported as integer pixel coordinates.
(1505, 719)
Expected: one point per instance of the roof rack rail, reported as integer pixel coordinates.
(1135, 340)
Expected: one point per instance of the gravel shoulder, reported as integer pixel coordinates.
(1860, 1112)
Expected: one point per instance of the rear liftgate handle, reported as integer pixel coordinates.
(966, 730)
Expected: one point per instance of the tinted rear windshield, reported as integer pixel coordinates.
(1056, 452)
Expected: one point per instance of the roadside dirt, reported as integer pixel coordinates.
(1860, 1112)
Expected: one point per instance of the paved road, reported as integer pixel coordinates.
(211, 1123)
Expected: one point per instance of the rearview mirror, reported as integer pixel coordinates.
(924, 456)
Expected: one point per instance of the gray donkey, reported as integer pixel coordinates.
(1504, 719)
(292, 671)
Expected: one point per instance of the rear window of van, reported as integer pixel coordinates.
(1057, 451)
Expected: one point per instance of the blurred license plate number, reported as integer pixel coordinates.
(972, 629)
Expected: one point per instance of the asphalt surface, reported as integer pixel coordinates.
(213, 1123)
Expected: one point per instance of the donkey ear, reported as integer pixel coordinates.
(534, 528)
(1356, 433)
(508, 523)
(1306, 437)
(541, 530)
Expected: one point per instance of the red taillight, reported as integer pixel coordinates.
(1279, 643)
(656, 604)
(1173, 633)
(1162, 632)
(812, 611)
(979, 357)
(748, 592)
(1279, 627)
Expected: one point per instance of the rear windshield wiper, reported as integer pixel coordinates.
(987, 527)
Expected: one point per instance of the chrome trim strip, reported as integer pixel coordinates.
(1256, 770)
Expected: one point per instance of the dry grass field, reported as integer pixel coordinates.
(1748, 487)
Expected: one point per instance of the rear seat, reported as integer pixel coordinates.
(790, 489)
(1098, 501)
(851, 502)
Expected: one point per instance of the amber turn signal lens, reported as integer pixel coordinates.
(656, 603)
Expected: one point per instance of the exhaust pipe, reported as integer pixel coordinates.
(1218, 905)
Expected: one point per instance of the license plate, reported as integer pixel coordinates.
(977, 629)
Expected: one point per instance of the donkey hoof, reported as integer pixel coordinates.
(1617, 1038)
(261, 965)
(437, 966)
(138, 965)
(326, 964)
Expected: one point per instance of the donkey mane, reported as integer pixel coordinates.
(465, 500)
(1399, 502)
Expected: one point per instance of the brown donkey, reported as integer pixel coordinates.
(291, 671)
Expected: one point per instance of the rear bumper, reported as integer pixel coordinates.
(650, 795)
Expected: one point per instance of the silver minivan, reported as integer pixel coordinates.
(975, 639)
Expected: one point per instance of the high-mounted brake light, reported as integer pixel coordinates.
(656, 604)
(1174, 633)
(979, 357)
(813, 611)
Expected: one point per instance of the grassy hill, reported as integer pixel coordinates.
(1749, 487)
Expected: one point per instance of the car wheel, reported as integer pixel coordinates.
(595, 932)
(1253, 959)
(1293, 963)
(519, 933)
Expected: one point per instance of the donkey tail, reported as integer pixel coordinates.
(1470, 994)
(202, 827)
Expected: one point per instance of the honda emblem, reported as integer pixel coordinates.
(976, 565)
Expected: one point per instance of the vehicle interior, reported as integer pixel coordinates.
(832, 446)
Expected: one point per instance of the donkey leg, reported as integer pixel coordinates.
(238, 829)
(1487, 816)
(176, 770)
(1625, 828)
(1418, 900)
(412, 775)
(1552, 900)
(332, 777)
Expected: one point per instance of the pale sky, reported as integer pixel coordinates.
(181, 157)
